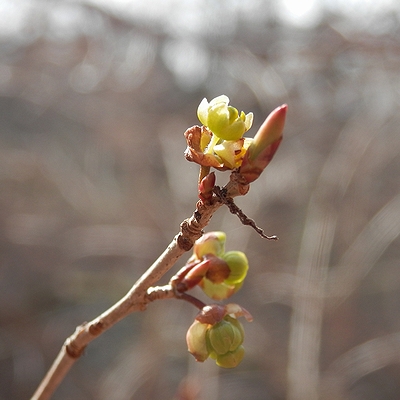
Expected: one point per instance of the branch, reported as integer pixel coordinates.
(138, 296)
(234, 209)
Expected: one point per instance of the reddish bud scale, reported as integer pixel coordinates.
(211, 314)
(264, 145)
(218, 269)
(180, 280)
(206, 187)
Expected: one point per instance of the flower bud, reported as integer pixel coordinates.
(206, 187)
(216, 334)
(225, 275)
(219, 274)
(224, 340)
(225, 336)
(210, 243)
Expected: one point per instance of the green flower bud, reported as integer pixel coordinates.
(224, 336)
(196, 341)
(219, 274)
(217, 334)
(210, 243)
(224, 342)
(238, 265)
(231, 359)
(223, 120)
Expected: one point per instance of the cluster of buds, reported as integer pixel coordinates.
(217, 333)
(220, 144)
(220, 274)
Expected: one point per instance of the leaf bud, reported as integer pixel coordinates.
(264, 145)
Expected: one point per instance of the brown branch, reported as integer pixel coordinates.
(136, 299)
(234, 209)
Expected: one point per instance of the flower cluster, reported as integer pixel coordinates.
(216, 333)
(220, 274)
(220, 144)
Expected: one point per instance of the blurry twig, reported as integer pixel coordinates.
(365, 251)
(358, 362)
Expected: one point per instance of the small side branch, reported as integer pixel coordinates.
(234, 209)
(168, 292)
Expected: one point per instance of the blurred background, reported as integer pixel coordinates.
(94, 99)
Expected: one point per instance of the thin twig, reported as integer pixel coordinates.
(234, 209)
(192, 300)
(168, 292)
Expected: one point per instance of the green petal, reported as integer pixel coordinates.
(233, 114)
(238, 264)
(231, 359)
(217, 291)
(218, 118)
(196, 341)
(232, 132)
(248, 122)
(202, 111)
(220, 99)
(226, 152)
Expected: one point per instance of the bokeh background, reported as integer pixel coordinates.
(94, 98)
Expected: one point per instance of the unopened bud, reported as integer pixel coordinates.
(210, 243)
(206, 187)
(224, 342)
(218, 335)
(265, 143)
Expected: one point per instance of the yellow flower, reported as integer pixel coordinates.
(223, 120)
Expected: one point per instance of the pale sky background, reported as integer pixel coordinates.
(298, 12)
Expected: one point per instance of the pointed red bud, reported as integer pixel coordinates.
(206, 187)
(264, 145)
